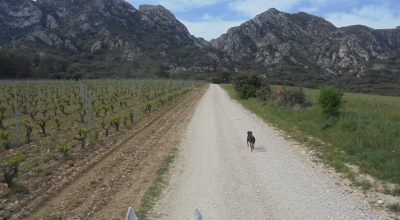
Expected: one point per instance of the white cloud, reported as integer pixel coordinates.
(309, 10)
(209, 28)
(378, 17)
(207, 17)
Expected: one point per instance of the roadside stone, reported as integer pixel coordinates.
(9, 205)
(15, 208)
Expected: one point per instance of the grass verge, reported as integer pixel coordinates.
(154, 191)
(366, 134)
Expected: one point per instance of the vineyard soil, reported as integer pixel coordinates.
(113, 177)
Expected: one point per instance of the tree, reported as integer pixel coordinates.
(244, 78)
(249, 85)
(221, 77)
(14, 65)
(162, 71)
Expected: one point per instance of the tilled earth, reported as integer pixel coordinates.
(109, 180)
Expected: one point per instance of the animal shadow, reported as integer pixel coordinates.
(260, 149)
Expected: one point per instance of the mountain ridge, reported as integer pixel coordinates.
(298, 34)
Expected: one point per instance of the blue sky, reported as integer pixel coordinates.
(211, 18)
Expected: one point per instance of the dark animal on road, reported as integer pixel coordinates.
(251, 140)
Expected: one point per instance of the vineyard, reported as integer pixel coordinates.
(45, 124)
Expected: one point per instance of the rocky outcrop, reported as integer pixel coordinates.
(96, 46)
(69, 46)
(162, 19)
(131, 52)
(305, 40)
(49, 39)
(52, 23)
(20, 15)
(158, 14)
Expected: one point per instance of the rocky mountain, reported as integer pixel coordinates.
(107, 38)
(111, 32)
(306, 43)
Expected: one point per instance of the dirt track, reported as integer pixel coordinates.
(216, 172)
(119, 177)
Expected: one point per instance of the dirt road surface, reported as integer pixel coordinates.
(216, 172)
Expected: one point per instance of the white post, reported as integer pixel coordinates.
(16, 113)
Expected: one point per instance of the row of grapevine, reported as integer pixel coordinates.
(57, 114)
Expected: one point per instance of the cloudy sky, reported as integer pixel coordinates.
(211, 18)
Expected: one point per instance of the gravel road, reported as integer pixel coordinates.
(216, 172)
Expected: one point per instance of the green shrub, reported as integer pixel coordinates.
(250, 85)
(265, 92)
(64, 148)
(96, 134)
(5, 135)
(7, 145)
(2, 117)
(293, 97)
(58, 122)
(81, 136)
(242, 79)
(247, 91)
(330, 100)
(11, 169)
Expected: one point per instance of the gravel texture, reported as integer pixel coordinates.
(216, 172)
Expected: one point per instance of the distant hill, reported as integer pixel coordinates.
(101, 38)
(111, 38)
(309, 50)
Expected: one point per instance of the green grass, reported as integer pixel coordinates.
(154, 191)
(395, 207)
(366, 133)
(396, 191)
(365, 185)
